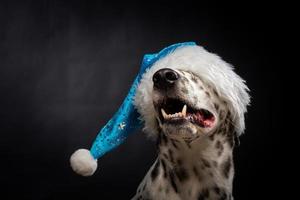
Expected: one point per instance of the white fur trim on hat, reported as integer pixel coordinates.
(210, 68)
(83, 163)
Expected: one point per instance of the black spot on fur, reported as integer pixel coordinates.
(179, 162)
(207, 93)
(226, 167)
(181, 174)
(154, 172)
(164, 168)
(205, 163)
(223, 195)
(184, 80)
(216, 106)
(171, 156)
(220, 130)
(217, 190)
(224, 129)
(220, 192)
(197, 173)
(194, 78)
(222, 115)
(215, 163)
(215, 92)
(201, 197)
(231, 136)
(188, 144)
(218, 144)
(166, 156)
(228, 115)
(231, 127)
(204, 194)
(164, 139)
(174, 144)
(219, 147)
(172, 180)
(184, 90)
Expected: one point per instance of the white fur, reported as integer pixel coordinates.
(83, 163)
(209, 67)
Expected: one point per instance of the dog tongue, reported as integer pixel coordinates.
(204, 121)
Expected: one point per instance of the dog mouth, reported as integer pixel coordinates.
(176, 111)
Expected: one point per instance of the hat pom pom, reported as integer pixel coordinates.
(83, 163)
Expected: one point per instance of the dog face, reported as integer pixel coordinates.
(198, 79)
(184, 104)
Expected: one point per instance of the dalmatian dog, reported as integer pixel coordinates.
(193, 104)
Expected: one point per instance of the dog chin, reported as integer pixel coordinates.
(186, 132)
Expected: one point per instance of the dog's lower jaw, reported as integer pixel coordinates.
(202, 169)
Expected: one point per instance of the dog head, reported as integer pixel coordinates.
(183, 105)
(181, 93)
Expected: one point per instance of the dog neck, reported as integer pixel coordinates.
(203, 166)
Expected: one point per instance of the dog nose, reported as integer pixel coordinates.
(165, 78)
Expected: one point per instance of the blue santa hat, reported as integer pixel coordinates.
(125, 121)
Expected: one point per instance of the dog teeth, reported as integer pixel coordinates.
(164, 114)
(183, 112)
(175, 115)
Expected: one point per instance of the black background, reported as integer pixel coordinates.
(66, 67)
